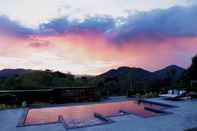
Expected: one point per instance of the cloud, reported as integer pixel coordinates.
(90, 24)
(39, 44)
(151, 25)
(159, 24)
(10, 27)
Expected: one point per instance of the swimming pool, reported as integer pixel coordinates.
(91, 114)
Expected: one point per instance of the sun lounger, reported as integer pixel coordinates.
(182, 95)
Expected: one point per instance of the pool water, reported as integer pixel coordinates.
(84, 115)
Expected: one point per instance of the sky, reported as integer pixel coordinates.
(91, 36)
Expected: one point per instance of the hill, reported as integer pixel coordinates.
(168, 71)
(132, 72)
(13, 72)
(116, 81)
(141, 74)
(119, 81)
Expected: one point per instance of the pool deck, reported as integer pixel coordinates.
(185, 116)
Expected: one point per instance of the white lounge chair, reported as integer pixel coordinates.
(175, 95)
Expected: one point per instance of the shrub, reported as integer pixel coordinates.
(4, 106)
(24, 104)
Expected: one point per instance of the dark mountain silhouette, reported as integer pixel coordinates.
(132, 72)
(20, 79)
(141, 74)
(13, 72)
(170, 71)
(112, 82)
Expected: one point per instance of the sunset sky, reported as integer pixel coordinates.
(93, 36)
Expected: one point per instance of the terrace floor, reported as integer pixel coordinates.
(185, 116)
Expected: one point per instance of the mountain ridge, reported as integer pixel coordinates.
(110, 73)
(159, 74)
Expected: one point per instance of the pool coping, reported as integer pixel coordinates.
(75, 104)
(21, 123)
(140, 116)
(160, 103)
(23, 118)
(102, 102)
(106, 119)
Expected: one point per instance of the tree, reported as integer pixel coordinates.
(192, 71)
(191, 74)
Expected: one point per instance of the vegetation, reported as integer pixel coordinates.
(136, 81)
(146, 95)
(192, 71)
(7, 106)
(133, 81)
(24, 104)
(40, 80)
(191, 74)
(191, 129)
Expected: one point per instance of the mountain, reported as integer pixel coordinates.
(113, 82)
(13, 72)
(169, 71)
(24, 79)
(141, 74)
(118, 81)
(133, 72)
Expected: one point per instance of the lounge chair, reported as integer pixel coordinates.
(177, 95)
